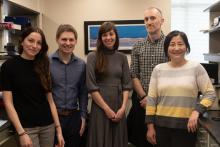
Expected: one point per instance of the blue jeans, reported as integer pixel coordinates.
(70, 128)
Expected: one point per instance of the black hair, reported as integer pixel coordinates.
(174, 34)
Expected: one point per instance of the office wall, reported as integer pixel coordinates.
(75, 12)
(31, 4)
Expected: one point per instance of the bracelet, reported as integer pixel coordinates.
(23, 133)
(143, 96)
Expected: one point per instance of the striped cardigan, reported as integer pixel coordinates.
(173, 94)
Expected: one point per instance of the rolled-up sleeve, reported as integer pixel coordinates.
(90, 73)
(152, 98)
(126, 78)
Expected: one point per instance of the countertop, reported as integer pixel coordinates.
(5, 125)
(5, 134)
(212, 126)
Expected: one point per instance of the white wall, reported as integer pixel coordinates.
(75, 12)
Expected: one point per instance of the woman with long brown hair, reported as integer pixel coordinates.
(26, 86)
(108, 81)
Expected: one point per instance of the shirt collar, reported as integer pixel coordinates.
(162, 36)
(55, 55)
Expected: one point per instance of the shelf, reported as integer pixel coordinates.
(216, 86)
(16, 10)
(9, 26)
(214, 7)
(216, 29)
(11, 23)
(214, 57)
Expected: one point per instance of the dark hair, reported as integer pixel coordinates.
(101, 62)
(66, 28)
(41, 61)
(174, 34)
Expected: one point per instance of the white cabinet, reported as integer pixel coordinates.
(214, 37)
(214, 34)
(15, 8)
(204, 139)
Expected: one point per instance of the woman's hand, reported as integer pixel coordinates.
(151, 134)
(110, 113)
(60, 139)
(120, 113)
(25, 141)
(193, 122)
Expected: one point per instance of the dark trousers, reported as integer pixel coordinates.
(137, 128)
(167, 137)
(70, 128)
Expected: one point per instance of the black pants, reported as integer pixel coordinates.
(70, 128)
(137, 128)
(167, 137)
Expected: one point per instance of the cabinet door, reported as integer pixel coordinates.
(202, 138)
(212, 142)
(9, 142)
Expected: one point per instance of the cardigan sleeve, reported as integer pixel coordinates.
(126, 78)
(152, 98)
(206, 88)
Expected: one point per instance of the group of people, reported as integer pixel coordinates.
(46, 97)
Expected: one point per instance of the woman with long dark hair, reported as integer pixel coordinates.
(26, 86)
(108, 81)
